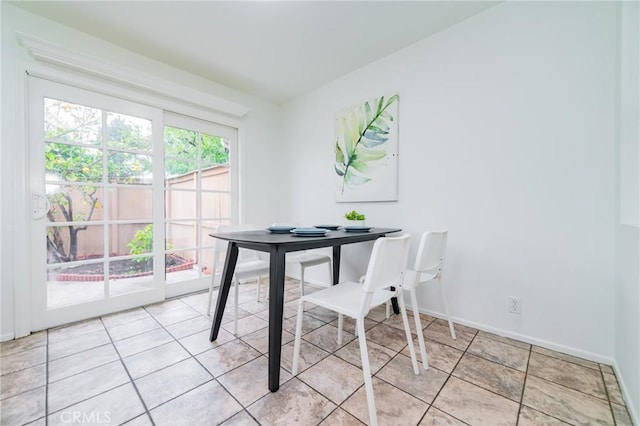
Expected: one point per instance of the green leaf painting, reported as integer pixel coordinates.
(366, 151)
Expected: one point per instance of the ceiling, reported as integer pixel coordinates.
(275, 50)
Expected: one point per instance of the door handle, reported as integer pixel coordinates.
(40, 205)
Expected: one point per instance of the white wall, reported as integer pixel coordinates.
(260, 128)
(627, 252)
(506, 139)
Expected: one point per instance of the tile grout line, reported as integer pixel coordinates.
(358, 367)
(524, 384)
(133, 383)
(88, 369)
(489, 337)
(563, 359)
(213, 378)
(246, 408)
(624, 403)
(397, 353)
(93, 396)
(526, 375)
(567, 387)
(531, 351)
(606, 390)
(77, 353)
(45, 363)
(240, 339)
(450, 375)
(554, 383)
(46, 382)
(182, 346)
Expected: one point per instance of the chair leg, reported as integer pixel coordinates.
(366, 372)
(419, 331)
(446, 309)
(340, 324)
(301, 280)
(258, 290)
(388, 308)
(296, 345)
(235, 308)
(213, 277)
(266, 296)
(330, 274)
(407, 330)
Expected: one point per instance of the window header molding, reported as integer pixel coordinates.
(44, 51)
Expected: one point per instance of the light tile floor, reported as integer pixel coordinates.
(155, 365)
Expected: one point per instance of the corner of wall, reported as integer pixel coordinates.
(627, 235)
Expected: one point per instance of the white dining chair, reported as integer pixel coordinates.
(248, 266)
(428, 268)
(308, 259)
(386, 269)
(305, 260)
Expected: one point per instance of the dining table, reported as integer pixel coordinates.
(278, 245)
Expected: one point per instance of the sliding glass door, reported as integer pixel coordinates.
(123, 198)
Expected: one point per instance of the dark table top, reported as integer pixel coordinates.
(264, 240)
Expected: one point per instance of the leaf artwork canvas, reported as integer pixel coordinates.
(366, 151)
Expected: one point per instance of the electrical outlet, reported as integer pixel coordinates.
(515, 305)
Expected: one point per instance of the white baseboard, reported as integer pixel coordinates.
(6, 336)
(527, 339)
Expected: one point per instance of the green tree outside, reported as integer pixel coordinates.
(74, 153)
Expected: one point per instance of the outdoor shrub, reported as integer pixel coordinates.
(142, 242)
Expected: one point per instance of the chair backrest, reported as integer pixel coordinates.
(387, 263)
(221, 245)
(431, 251)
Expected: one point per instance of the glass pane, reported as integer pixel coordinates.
(130, 133)
(130, 275)
(71, 243)
(215, 150)
(207, 228)
(216, 178)
(129, 268)
(64, 121)
(128, 168)
(216, 204)
(181, 235)
(130, 238)
(72, 163)
(75, 203)
(69, 286)
(130, 203)
(180, 143)
(194, 164)
(181, 266)
(175, 169)
(180, 204)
